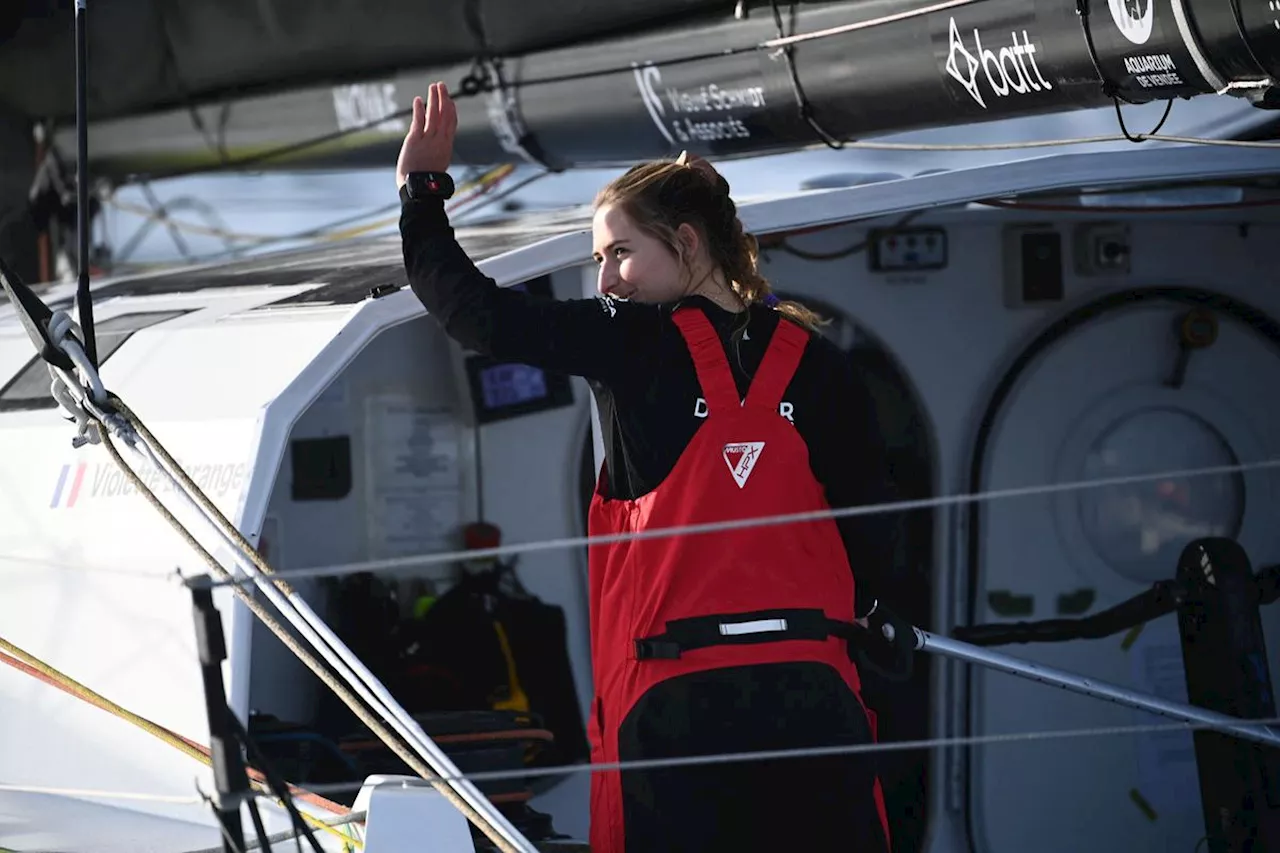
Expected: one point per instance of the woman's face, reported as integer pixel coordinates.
(633, 264)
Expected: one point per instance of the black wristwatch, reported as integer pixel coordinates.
(422, 185)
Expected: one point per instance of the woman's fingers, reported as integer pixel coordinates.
(418, 124)
(433, 109)
(450, 113)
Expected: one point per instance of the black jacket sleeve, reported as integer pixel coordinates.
(850, 458)
(595, 338)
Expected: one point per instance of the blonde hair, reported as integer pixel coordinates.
(662, 195)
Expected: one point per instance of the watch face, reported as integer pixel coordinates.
(428, 184)
(425, 184)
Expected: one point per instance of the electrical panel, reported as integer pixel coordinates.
(907, 249)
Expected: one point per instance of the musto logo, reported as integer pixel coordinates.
(79, 482)
(708, 113)
(1008, 71)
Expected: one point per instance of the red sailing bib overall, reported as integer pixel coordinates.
(666, 607)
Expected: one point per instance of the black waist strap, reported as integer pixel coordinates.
(734, 629)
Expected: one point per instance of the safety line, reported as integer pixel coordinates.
(813, 752)
(714, 758)
(744, 523)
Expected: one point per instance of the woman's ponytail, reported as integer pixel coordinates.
(743, 270)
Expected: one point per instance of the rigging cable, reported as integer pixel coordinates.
(83, 297)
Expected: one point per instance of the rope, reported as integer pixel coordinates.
(341, 690)
(420, 560)
(33, 666)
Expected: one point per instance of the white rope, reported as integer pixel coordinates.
(417, 561)
(79, 389)
(61, 329)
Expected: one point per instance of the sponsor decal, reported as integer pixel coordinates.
(1134, 18)
(989, 69)
(741, 459)
(362, 104)
(1154, 71)
(79, 482)
(706, 113)
(67, 490)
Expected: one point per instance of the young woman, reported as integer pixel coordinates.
(717, 402)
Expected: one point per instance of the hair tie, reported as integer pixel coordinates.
(770, 300)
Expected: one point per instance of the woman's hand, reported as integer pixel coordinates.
(428, 146)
